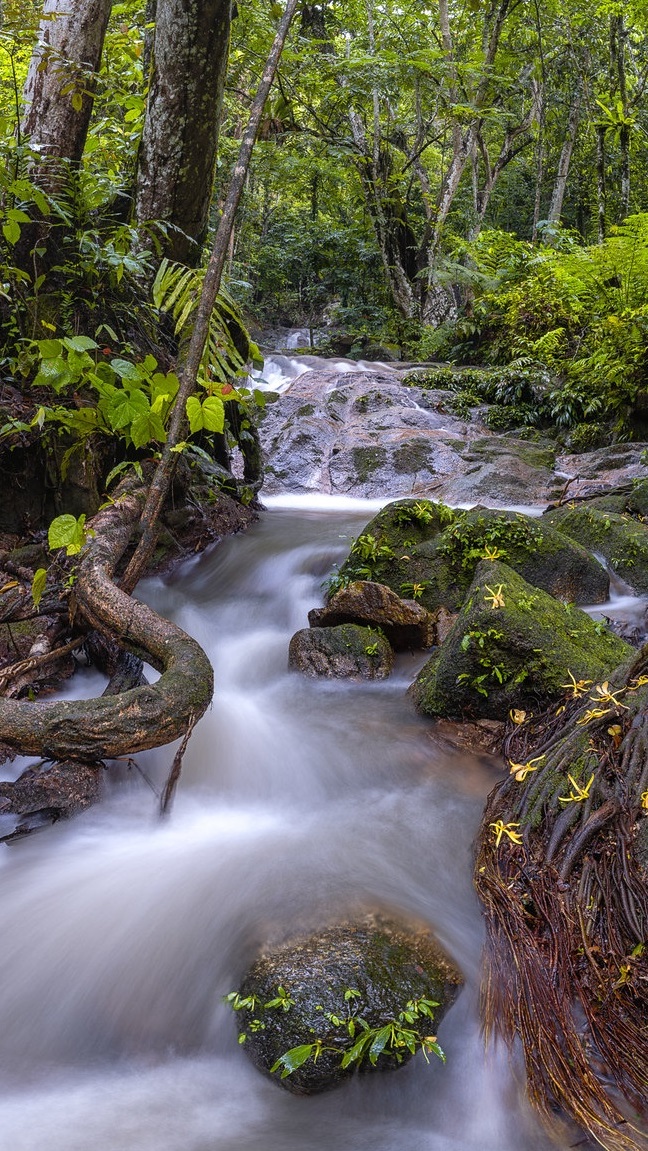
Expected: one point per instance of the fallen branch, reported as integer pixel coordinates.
(143, 717)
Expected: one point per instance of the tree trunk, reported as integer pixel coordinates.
(59, 91)
(211, 285)
(558, 195)
(601, 196)
(180, 138)
(617, 61)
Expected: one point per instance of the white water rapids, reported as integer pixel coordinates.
(299, 801)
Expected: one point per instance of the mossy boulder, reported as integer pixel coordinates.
(513, 646)
(622, 540)
(405, 623)
(423, 549)
(348, 651)
(311, 988)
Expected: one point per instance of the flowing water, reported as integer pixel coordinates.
(300, 801)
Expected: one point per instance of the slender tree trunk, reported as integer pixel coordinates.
(178, 150)
(617, 52)
(211, 285)
(59, 91)
(601, 194)
(558, 194)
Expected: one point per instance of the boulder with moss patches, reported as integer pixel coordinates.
(623, 541)
(311, 998)
(513, 646)
(405, 623)
(344, 652)
(423, 549)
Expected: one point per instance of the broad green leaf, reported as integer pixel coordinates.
(146, 428)
(67, 532)
(11, 231)
(194, 414)
(213, 414)
(49, 349)
(124, 407)
(293, 1059)
(80, 343)
(125, 369)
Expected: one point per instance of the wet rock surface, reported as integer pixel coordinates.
(348, 651)
(384, 964)
(363, 433)
(405, 623)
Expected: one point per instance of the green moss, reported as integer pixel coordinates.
(367, 460)
(513, 645)
(441, 550)
(620, 539)
(306, 410)
(411, 457)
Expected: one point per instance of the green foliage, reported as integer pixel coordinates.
(131, 401)
(571, 325)
(366, 546)
(357, 1043)
(39, 583)
(468, 538)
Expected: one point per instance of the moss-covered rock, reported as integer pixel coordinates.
(428, 551)
(513, 646)
(310, 989)
(348, 651)
(622, 540)
(405, 623)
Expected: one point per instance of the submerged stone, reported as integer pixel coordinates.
(316, 992)
(344, 652)
(513, 646)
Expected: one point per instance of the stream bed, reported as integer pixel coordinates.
(300, 801)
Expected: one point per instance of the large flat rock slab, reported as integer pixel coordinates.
(364, 434)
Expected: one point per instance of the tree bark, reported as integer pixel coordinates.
(601, 196)
(59, 91)
(143, 717)
(558, 195)
(180, 138)
(211, 284)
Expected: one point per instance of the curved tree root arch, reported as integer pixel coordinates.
(134, 720)
(561, 874)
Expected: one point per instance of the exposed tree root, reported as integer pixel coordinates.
(142, 717)
(566, 905)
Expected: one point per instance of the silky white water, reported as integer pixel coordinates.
(299, 802)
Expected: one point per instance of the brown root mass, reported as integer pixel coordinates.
(565, 892)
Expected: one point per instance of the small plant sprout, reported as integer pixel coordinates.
(495, 596)
(500, 829)
(578, 793)
(521, 770)
(492, 553)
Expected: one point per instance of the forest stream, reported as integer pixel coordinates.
(300, 801)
